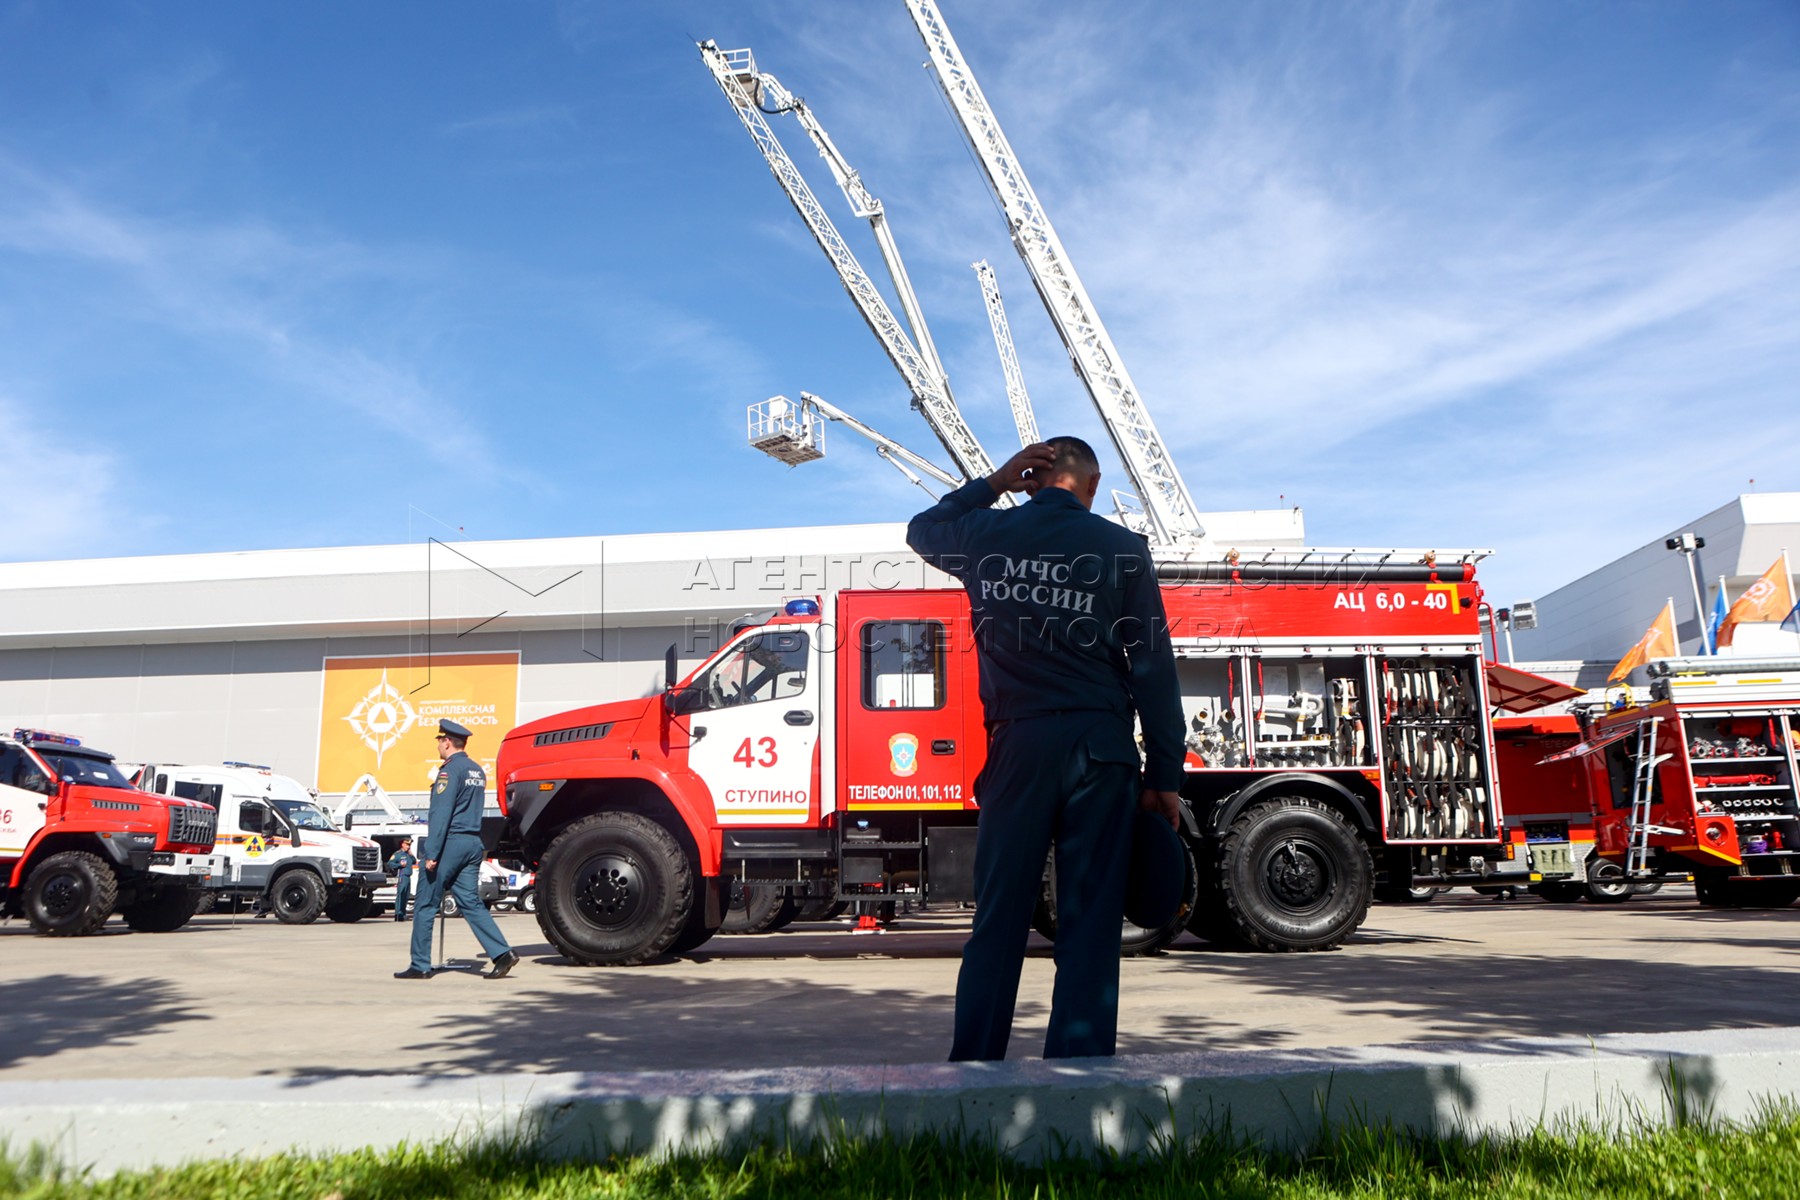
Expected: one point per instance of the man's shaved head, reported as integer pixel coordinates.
(1074, 457)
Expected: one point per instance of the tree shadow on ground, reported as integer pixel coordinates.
(45, 1016)
(1480, 997)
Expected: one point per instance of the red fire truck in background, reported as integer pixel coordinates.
(1338, 744)
(1701, 779)
(78, 842)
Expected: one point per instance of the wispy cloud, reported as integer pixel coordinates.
(521, 119)
(264, 291)
(57, 495)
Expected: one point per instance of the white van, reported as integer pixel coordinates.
(285, 855)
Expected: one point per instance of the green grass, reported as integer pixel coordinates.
(1761, 1159)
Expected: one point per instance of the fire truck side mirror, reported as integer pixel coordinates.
(669, 675)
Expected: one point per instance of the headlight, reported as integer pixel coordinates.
(340, 866)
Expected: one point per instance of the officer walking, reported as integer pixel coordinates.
(453, 854)
(1072, 640)
(401, 865)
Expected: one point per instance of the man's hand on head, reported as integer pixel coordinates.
(1024, 471)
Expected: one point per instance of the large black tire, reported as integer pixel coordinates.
(615, 889)
(163, 911)
(1294, 875)
(697, 932)
(297, 897)
(70, 894)
(1606, 882)
(206, 902)
(758, 908)
(347, 908)
(1559, 891)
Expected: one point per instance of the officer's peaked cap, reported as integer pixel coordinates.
(454, 730)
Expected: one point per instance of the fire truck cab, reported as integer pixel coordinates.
(79, 843)
(1338, 740)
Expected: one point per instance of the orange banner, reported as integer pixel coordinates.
(379, 715)
(1658, 642)
(1768, 599)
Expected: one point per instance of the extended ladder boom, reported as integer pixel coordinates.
(1167, 504)
(736, 74)
(1023, 417)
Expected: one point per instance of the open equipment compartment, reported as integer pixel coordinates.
(1433, 735)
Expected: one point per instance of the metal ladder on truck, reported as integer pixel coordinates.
(1643, 790)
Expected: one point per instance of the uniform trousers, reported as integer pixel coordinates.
(402, 893)
(1068, 780)
(459, 871)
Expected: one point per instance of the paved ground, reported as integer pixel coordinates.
(240, 997)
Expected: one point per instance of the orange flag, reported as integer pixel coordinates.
(1658, 642)
(1768, 599)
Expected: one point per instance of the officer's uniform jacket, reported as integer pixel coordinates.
(1067, 614)
(457, 798)
(402, 862)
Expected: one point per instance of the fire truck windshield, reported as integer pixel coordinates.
(79, 768)
(767, 666)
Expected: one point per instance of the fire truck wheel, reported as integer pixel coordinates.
(208, 901)
(1562, 892)
(758, 908)
(697, 932)
(1294, 875)
(297, 898)
(163, 911)
(1719, 890)
(1606, 883)
(70, 894)
(347, 908)
(615, 890)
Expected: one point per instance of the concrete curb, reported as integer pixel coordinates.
(1032, 1108)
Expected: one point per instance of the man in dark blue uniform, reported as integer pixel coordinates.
(452, 856)
(1072, 640)
(401, 863)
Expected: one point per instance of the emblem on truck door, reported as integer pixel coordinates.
(903, 754)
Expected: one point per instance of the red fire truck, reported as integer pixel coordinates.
(1702, 778)
(78, 842)
(1338, 743)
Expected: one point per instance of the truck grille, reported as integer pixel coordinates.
(366, 858)
(194, 826)
(581, 733)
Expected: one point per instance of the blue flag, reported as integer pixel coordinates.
(1791, 622)
(1717, 619)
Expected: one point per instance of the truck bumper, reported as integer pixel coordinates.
(202, 870)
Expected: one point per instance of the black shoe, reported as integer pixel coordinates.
(503, 964)
(412, 973)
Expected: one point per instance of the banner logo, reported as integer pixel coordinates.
(381, 717)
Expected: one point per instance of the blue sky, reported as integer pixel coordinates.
(1523, 276)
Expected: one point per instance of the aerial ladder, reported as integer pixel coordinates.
(755, 95)
(792, 433)
(1167, 507)
(1023, 417)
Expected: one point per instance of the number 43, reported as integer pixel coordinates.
(747, 754)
